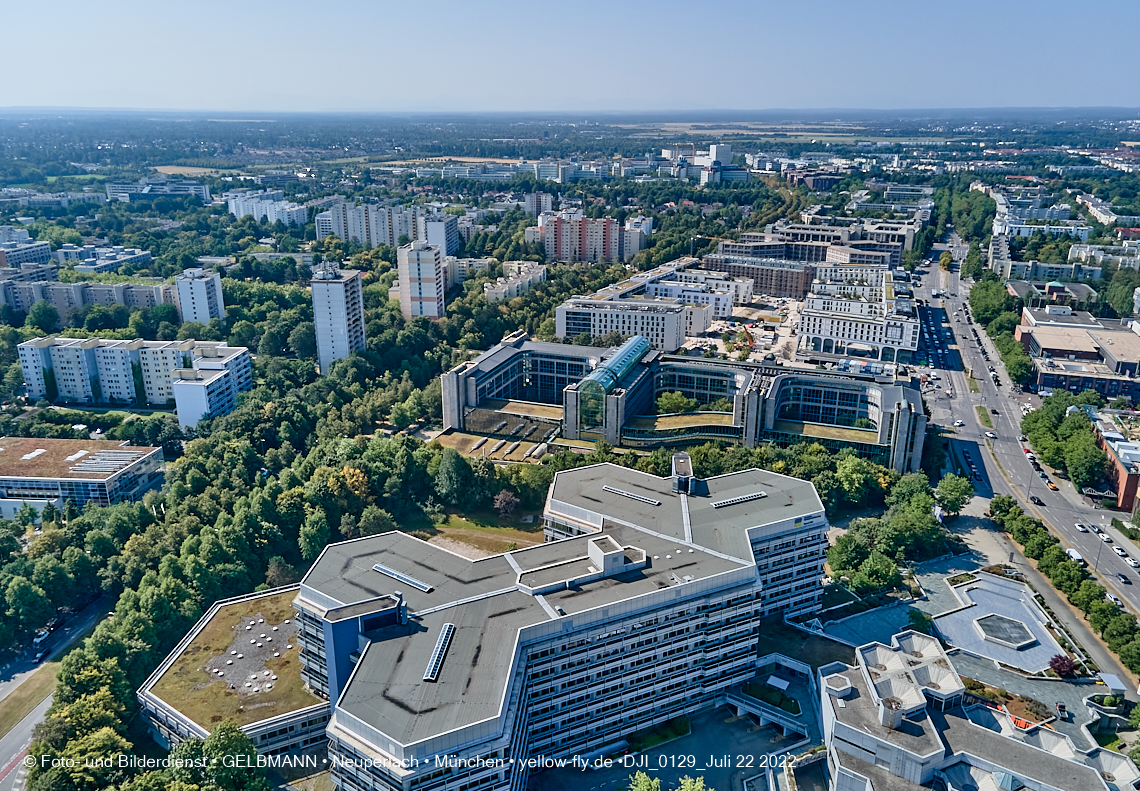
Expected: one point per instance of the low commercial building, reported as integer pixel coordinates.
(432, 669)
(1122, 445)
(1078, 296)
(900, 719)
(1074, 352)
(150, 188)
(138, 372)
(40, 471)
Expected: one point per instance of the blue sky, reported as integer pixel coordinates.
(508, 55)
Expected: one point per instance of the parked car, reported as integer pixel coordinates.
(1120, 552)
(1021, 438)
(1052, 486)
(41, 656)
(1112, 597)
(1106, 538)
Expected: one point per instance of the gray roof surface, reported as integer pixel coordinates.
(860, 712)
(1008, 598)
(387, 689)
(719, 529)
(881, 779)
(963, 736)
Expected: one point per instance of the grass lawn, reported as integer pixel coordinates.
(776, 637)
(1109, 741)
(32, 692)
(984, 416)
(972, 383)
(673, 729)
(835, 595)
(773, 697)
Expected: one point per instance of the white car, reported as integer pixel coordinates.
(1106, 538)
(1120, 552)
(991, 435)
(1133, 562)
(1112, 597)
(1081, 527)
(959, 422)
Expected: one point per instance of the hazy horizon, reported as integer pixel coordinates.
(513, 57)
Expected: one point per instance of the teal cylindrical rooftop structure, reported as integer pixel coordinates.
(610, 372)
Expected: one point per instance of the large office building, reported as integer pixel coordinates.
(423, 280)
(268, 205)
(665, 322)
(444, 672)
(150, 188)
(138, 372)
(609, 394)
(338, 313)
(900, 719)
(200, 296)
(845, 319)
(104, 472)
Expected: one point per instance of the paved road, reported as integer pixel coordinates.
(13, 745)
(1000, 462)
(18, 670)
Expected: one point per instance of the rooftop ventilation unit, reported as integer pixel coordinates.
(404, 578)
(744, 498)
(436, 661)
(631, 495)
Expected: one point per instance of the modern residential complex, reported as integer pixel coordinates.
(338, 313)
(371, 224)
(137, 372)
(149, 188)
(518, 277)
(200, 296)
(17, 251)
(900, 717)
(423, 280)
(642, 614)
(267, 205)
(1103, 212)
(1030, 210)
(664, 322)
(1125, 255)
(104, 472)
(599, 394)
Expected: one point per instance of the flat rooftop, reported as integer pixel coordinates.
(255, 684)
(721, 528)
(80, 459)
(479, 598)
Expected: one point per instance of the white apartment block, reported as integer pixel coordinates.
(370, 225)
(535, 203)
(459, 269)
(20, 253)
(108, 259)
(65, 297)
(97, 371)
(338, 313)
(200, 296)
(441, 230)
(518, 277)
(741, 288)
(663, 322)
(201, 393)
(1125, 255)
(423, 281)
(269, 205)
(859, 320)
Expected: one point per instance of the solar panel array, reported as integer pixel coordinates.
(436, 661)
(107, 461)
(737, 500)
(404, 578)
(631, 495)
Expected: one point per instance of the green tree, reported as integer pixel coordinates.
(877, 572)
(847, 553)
(909, 485)
(643, 782)
(669, 403)
(919, 621)
(953, 492)
(453, 480)
(375, 520)
(28, 605)
(314, 533)
(43, 317)
(303, 340)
